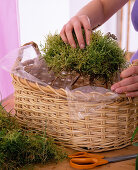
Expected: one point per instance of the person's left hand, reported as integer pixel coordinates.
(129, 82)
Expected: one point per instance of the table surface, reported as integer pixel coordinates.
(8, 103)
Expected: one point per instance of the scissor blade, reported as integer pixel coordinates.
(121, 158)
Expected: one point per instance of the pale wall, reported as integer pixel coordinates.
(39, 17)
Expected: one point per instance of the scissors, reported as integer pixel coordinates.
(85, 160)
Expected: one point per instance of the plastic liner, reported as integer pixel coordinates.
(26, 62)
(19, 60)
(87, 100)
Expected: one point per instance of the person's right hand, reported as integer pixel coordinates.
(76, 23)
(129, 82)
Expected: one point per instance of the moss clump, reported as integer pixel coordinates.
(20, 147)
(102, 58)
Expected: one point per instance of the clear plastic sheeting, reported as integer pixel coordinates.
(27, 63)
(17, 62)
(86, 101)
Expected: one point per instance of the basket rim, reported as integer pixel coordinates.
(60, 92)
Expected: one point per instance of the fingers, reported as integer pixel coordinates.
(127, 88)
(125, 82)
(127, 85)
(87, 27)
(132, 94)
(68, 33)
(130, 90)
(63, 35)
(76, 23)
(133, 70)
(79, 35)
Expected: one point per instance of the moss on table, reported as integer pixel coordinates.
(20, 146)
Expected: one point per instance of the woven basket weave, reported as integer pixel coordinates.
(43, 107)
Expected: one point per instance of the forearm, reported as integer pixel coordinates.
(99, 11)
(95, 13)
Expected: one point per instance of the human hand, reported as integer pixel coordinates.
(76, 23)
(129, 82)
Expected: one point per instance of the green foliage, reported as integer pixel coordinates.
(102, 58)
(133, 136)
(19, 147)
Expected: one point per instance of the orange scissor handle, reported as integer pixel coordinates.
(86, 163)
(85, 155)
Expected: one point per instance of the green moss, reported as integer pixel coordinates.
(102, 58)
(20, 147)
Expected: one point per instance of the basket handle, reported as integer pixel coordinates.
(34, 45)
(20, 53)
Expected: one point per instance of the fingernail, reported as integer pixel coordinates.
(128, 95)
(112, 88)
(73, 46)
(118, 91)
(88, 43)
(82, 46)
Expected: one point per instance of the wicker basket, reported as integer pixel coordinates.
(45, 108)
(39, 107)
